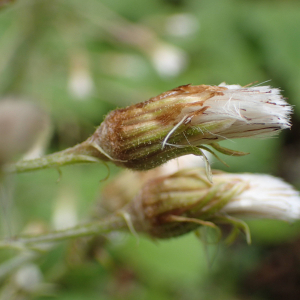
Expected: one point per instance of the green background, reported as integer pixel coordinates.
(42, 46)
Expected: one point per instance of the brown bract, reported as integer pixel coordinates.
(143, 126)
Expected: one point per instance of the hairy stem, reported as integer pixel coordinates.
(111, 223)
(82, 153)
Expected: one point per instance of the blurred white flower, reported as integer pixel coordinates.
(125, 65)
(28, 277)
(64, 215)
(168, 60)
(23, 125)
(80, 83)
(182, 24)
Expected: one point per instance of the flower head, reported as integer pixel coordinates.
(116, 194)
(181, 121)
(173, 205)
(176, 123)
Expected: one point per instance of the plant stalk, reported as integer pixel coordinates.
(81, 153)
(112, 223)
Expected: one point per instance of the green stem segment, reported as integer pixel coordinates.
(111, 223)
(82, 153)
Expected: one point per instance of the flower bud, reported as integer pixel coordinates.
(173, 205)
(116, 194)
(181, 121)
(176, 123)
(80, 83)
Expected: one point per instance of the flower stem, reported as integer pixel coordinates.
(111, 223)
(82, 153)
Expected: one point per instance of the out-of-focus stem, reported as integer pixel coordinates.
(111, 223)
(14, 263)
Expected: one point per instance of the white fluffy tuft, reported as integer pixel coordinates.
(267, 197)
(256, 111)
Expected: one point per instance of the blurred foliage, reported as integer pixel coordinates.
(80, 59)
